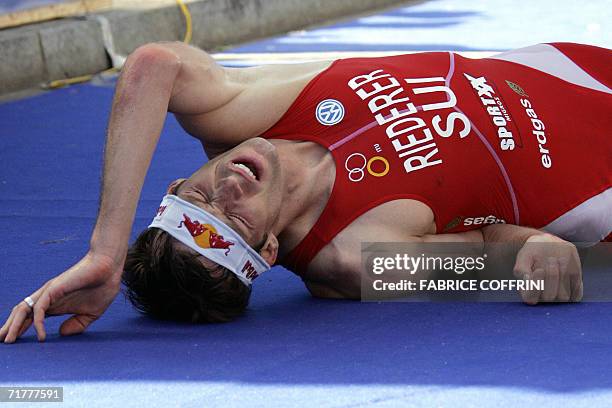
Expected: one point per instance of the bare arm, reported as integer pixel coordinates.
(208, 100)
(149, 84)
(137, 116)
(155, 79)
(508, 233)
(541, 256)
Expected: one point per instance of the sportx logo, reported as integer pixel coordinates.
(329, 112)
(496, 109)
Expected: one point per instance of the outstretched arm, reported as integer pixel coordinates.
(137, 116)
(151, 82)
(157, 78)
(542, 256)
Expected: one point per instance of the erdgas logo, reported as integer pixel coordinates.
(329, 112)
(357, 164)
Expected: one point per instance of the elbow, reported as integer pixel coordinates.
(153, 54)
(151, 63)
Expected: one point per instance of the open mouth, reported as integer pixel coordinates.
(246, 168)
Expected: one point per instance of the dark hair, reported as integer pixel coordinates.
(168, 282)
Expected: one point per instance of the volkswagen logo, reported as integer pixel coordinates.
(330, 112)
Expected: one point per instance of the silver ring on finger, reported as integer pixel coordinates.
(28, 301)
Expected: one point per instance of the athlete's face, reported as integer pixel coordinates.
(242, 187)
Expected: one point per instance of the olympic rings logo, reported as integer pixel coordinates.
(356, 173)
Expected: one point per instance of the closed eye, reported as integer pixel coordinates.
(233, 220)
(237, 217)
(241, 221)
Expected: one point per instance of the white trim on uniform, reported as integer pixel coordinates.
(589, 222)
(548, 59)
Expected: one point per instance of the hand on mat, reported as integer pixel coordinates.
(85, 291)
(549, 258)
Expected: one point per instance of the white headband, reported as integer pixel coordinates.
(210, 237)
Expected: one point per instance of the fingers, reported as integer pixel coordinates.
(40, 308)
(531, 297)
(523, 269)
(575, 277)
(5, 327)
(551, 282)
(76, 325)
(17, 323)
(4, 330)
(565, 286)
(25, 326)
(570, 280)
(577, 289)
(25, 318)
(19, 317)
(557, 263)
(524, 264)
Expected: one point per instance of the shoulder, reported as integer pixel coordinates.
(275, 86)
(259, 97)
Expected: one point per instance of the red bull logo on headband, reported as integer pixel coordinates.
(202, 231)
(205, 235)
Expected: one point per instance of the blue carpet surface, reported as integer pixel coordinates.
(290, 349)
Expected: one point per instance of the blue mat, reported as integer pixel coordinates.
(457, 25)
(290, 349)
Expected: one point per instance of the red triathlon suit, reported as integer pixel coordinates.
(522, 137)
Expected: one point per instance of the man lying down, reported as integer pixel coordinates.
(307, 161)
